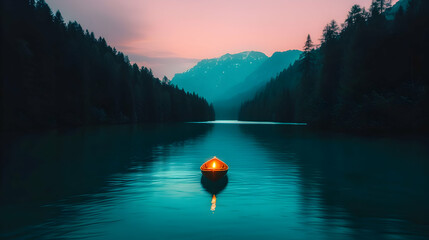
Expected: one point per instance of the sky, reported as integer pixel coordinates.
(171, 36)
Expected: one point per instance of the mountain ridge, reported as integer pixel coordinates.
(228, 107)
(212, 77)
(269, 69)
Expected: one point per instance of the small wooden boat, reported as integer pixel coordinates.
(214, 169)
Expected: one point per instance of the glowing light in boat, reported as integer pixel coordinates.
(214, 169)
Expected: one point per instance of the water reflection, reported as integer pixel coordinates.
(372, 186)
(214, 188)
(44, 175)
(130, 182)
(213, 207)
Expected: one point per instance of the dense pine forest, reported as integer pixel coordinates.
(367, 75)
(56, 74)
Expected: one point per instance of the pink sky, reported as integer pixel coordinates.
(170, 36)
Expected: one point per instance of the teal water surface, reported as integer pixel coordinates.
(144, 182)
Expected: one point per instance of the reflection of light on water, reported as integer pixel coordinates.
(213, 208)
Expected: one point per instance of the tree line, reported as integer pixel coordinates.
(367, 75)
(57, 74)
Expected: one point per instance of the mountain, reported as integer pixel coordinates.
(211, 78)
(227, 107)
(391, 12)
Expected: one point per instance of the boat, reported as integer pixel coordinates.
(214, 169)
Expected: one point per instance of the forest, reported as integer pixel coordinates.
(57, 74)
(368, 74)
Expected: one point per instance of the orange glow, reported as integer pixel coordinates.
(214, 164)
(213, 207)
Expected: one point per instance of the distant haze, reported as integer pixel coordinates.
(170, 36)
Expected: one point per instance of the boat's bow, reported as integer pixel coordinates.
(214, 169)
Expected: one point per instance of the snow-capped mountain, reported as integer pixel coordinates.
(227, 108)
(211, 78)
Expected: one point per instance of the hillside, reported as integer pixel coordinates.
(368, 76)
(56, 74)
(227, 108)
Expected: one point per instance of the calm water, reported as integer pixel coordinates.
(284, 182)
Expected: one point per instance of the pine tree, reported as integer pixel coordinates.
(330, 32)
(165, 80)
(58, 18)
(379, 6)
(356, 15)
(308, 48)
(308, 45)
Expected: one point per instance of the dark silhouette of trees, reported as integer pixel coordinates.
(356, 15)
(330, 32)
(367, 76)
(308, 47)
(165, 80)
(57, 74)
(307, 82)
(379, 6)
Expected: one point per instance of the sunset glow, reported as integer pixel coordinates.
(171, 36)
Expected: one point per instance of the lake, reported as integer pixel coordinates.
(144, 182)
